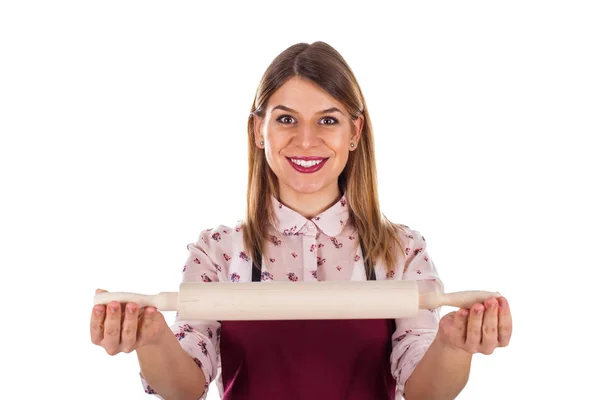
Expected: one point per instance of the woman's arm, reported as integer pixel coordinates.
(441, 374)
(185, 362)
(169, 371)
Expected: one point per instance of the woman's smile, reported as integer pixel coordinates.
(307, 165)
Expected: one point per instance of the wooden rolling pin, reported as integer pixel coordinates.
(285, 300)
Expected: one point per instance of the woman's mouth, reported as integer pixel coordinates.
(307, 165)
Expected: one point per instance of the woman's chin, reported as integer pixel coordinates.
(306, 187)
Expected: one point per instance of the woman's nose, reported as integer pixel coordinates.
(307, 136)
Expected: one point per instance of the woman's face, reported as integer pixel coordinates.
(307, 138)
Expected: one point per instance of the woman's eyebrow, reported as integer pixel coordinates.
(284, 108)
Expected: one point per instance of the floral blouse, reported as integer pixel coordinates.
(300, 249)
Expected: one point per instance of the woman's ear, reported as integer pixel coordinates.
(358, 123)
(259, 140)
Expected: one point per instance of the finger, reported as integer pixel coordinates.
(460, 327)
(504, 322)
(112, 328)
(146, 325)
(473, 341)
(100, 291)
(489, 340)
(97, 324)
(129, 329)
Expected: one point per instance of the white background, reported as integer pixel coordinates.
(123, 136)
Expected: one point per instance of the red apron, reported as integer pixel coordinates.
(322, 359)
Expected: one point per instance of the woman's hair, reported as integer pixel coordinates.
(324, 66)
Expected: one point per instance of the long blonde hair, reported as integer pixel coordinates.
(323, 65)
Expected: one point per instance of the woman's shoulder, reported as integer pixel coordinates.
(222, 235)
(405, 231)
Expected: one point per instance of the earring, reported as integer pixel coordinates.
(262, 143)
(351, 144)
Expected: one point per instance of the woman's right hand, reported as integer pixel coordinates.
(122, 328)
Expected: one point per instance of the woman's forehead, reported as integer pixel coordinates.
(304, 97)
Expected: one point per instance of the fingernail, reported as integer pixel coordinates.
(130, 309)
(151, 310)
(98, 310)
(478, 311)
(464, 313)
(113, 309)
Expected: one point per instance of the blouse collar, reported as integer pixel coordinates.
(331, 221)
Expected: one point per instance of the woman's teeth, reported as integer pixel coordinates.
(306, 164)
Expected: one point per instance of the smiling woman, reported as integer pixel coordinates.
(312, 215)
(309, 134)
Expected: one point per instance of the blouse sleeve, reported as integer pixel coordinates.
(199, 338)
(413, 336)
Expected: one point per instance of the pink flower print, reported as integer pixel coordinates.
(356, 258)
(234, 277)
(198, 362)
(180, 335)
(227, 258)
(202, 345)
(313, 247)
(292, 277)
(184, 268)
(218, 333)
(217, 266)
(341, 222)
(390, 274)
(343, 202)
(266, 276)
(399, 338)
(418, 271)
(294, 255)
(426, 259)
(197, 261)
(244, 256)
(275, 241)
(320, 261)
(337, 244)
(432, 310)
(280, 205)
(417, 251)
(186, 328)
(314, 273)
(317, 218)
(225, 231)
(338, 268)
(238, 228)
(407, 250)
(205, 278)
(271, 260)
(320, 245)
(351, 237)
(291, 231)
(149, 390)
(216, 236)
(209, 332)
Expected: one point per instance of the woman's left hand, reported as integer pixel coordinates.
(481, 329)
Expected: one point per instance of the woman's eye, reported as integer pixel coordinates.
(285, 119)
(329, 120)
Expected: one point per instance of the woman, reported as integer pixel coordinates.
(312, 214)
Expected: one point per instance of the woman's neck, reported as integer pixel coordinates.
(309, 205)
